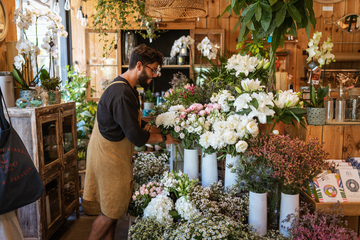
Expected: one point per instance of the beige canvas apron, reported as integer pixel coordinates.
(109, 173)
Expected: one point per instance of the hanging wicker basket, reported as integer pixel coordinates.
(175, 8)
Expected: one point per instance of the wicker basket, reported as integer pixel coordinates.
(175, 8)
(91, 208)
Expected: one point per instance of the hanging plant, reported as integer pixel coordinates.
(276, 18)
(120, 15)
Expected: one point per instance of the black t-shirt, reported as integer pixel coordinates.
(117, 114)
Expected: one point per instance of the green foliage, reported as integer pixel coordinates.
(19, 78)
(149, 96)
(254, 48)
(85, 110)
(317, 97)
(276, 17)
(50, 84)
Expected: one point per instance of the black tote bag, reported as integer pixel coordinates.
(20, 183)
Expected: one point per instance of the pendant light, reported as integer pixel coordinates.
(175, 8)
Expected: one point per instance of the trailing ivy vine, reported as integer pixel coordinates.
(120, 15)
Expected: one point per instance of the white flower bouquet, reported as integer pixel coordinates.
(184, 124)
(246, 66)
(149, 167)
(26, 61)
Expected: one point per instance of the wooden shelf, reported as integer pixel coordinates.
(165, 66)
(343, 123)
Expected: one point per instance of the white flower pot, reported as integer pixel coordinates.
(209, 172)
(191, 163)
(288, 205)
(258, 212)
(230, 178)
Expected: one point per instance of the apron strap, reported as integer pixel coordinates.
(115, 83)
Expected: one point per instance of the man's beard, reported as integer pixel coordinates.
(143, 79)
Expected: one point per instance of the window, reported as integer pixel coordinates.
(63, 44)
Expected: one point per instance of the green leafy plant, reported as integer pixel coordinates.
(85, 110)
(50, 84)
(317, 97)
(273, 18)
(149, 96)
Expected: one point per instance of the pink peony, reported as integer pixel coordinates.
(202, 113)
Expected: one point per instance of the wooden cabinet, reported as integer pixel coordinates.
(340, 140)
(49, 134)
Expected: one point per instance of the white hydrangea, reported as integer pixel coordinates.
(159, 208)
(186, 209)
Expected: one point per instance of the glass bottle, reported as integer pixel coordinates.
(329, 107)
(340, 106)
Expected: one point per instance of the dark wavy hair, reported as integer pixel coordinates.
(146, 55)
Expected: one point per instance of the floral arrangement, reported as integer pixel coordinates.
(147, 229)
(291, 162)
(182, 42)
(26, 61)
(184, 124)
(178, 183)
(149, 167)
(208, 49)
(143, 196)
(246, 66)
(322, 53)
(320, 224)
(216, 200)
(186, 95)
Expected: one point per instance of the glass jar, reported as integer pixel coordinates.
(340, 106)
(329, 107)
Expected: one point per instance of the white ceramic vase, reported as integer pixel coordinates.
(230, 178)
(191, 163)
(209, 173)
(258, 212)
(289, 205)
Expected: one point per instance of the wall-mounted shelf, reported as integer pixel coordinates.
(165, 66)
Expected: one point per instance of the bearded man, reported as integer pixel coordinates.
(118, 127)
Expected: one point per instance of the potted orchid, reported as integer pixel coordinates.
(316, 111)
(27, 72)
(181, 46)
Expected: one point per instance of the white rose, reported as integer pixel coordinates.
(177, 129)
(182, 135)
(241, 146)
(229, 137)
(253, 128)
(276, 132)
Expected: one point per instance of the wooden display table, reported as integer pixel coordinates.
(351, 210)
(341, 140)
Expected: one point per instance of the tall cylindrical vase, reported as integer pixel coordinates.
(289, 205)
(209, 173)
(191, 163)
(258, 212)
(230, 177)
(176, 157)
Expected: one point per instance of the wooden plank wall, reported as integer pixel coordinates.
(11, 34)
(297, 61)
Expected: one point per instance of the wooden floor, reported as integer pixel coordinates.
(79, 229)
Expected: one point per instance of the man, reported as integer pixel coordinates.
(118, 127)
